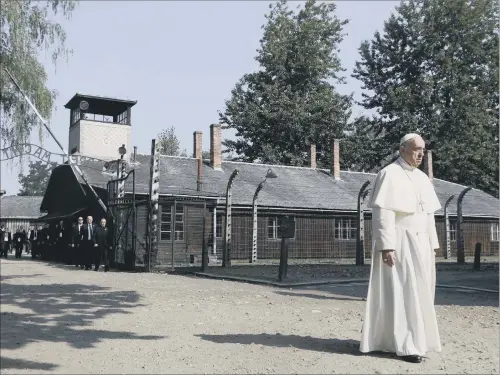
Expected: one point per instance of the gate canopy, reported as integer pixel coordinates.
(60, 215)
(66, 197)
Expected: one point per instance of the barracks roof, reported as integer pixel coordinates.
(295, 187)
(20, 207)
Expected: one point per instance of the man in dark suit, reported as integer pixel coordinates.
(19, 241)
(77, 243)
(45, 242)
(89, 242)
(102, 249)
(58, 243)
(35, 241)
(4, 241)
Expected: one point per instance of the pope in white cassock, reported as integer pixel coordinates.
(400, 316)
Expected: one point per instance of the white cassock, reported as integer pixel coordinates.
(400, 316)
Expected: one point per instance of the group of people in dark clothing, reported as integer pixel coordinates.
(90, 244)
(83, 244)
(9, 242)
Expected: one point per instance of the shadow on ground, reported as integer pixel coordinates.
(58, 313)
(10, 277)
(21, 364)
(340, 346)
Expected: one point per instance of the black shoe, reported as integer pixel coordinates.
(81, 267)
(106, 269)
(96, 269)
(412, 358)
(76, 265)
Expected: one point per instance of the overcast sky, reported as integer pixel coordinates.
(179, 60)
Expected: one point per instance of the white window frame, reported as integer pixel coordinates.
(179, 212)
(340, 229)
(167, 210)
(219, 225)
(273, 224)
(453, 230)
(495, 232)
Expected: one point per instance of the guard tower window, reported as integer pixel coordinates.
(75, 116)
(122, 118)
(97, 117)
(101, 109)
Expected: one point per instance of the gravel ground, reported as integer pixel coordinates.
(55, 319)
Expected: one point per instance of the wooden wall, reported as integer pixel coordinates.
(475, 230)
(315, 237)
(13, 224)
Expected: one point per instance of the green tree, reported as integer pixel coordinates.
(26, 28)
(361, 146)
(36, 180)
(169, 143)
(291, 100)
(435, 70)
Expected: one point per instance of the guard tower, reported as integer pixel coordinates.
(99, 126)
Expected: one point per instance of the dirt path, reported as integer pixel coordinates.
(55, 319)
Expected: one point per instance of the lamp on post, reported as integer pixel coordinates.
(120, 193)
(120, 171)
(122, 151)
(269, 174)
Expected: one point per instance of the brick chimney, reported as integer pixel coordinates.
(335, 167)
(428, 165)
(312, 156)
(197, 145)
(215, 146)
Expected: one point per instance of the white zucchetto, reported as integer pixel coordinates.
(407, 137)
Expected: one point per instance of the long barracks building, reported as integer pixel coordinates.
(323, 202)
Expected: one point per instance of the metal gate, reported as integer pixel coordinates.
(122, 211)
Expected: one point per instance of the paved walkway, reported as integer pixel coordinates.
(56, 319)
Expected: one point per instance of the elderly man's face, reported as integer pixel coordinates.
(89, 219)
(80, 220)
(413, 151)
(103, 223)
